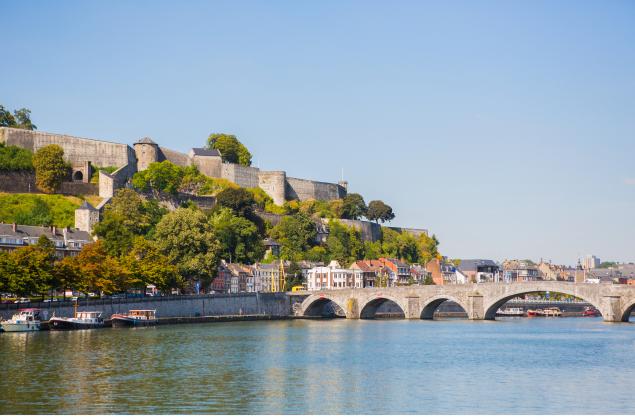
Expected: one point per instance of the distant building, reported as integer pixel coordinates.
(590, 262)
(520, 271)
(480, 271)
(67, 241)
(401, 270)
(442, 271)
(333, 276)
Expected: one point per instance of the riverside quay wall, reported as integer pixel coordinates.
(279, 305)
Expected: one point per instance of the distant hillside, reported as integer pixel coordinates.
(41, 209)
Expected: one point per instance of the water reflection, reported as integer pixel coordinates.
(321, 367)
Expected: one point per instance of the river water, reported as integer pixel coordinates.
(509, 366)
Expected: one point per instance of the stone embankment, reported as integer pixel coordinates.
(178, 309)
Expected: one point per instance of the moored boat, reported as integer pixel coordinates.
(81, 321)
(554, 311)
(590, 311)
(535, 312)
(135, 318)
(24, 320)
(510, 312)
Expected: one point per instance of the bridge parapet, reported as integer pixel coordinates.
(480, 301)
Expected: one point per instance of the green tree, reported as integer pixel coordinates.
(164, 177)
(429, 248)
(14, 158)
(231, 150)
(148, 265)
(296, 234)
(99, 271)
(21, 118)
(239, 200)
(32, 268)
(50, 168)
(344, 243)
(127, 216)
(67, 274)
(353, 207)
(379, 211)
(239, 238)
(185, 237)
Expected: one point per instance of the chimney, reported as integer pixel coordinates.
(14, 227)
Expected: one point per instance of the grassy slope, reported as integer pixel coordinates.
(41, 209)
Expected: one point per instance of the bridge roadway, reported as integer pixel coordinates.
(480, 301)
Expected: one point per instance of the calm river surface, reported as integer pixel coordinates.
(512, 366)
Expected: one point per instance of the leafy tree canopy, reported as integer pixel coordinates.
(21, 118)
(185, 237)
(14, 158)
(232, 150)
(296, 234)
(239, 238)
(353, 207)
(50, 168)
(379, 211)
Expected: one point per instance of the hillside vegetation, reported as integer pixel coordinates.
(41, 209)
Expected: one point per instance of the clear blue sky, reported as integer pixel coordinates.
(505, 127)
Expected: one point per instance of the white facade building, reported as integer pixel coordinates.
(334, 276)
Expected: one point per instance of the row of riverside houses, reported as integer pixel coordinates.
(67, 241)
(383, 272)
(444, 271)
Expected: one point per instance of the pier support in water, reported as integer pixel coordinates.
(475, 307)
(611, 309)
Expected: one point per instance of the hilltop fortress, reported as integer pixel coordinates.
(82, 152)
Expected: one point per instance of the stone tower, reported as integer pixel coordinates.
(86, 216)
(147, 152)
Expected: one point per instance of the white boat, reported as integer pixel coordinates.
(23, 321)
(510, 312)
(81, 321)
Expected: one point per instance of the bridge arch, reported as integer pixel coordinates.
(370, 306)
(626, 312)
(521, 289)
(318, 305)
(430, 305)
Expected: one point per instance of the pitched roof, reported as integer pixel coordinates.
(25, 231)
(86, 206)
(199, 151)
(145, 140)
(472, 265)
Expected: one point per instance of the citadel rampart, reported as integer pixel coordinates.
(81, 151)
(76, 149)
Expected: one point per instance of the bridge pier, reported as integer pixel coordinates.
(352, 309)
(611, 309)
(475, 308)
(413, 307)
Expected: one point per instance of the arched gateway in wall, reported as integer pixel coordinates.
(480, 301)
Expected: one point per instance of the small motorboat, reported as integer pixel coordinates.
(590, 311)
(81, 321)
(24, 320)
(135, 318)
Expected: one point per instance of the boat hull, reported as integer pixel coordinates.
(21, 327)
(63, 324)
(124, 321)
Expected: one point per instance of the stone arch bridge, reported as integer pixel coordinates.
(480, 301)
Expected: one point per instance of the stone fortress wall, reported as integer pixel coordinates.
(76, 149)
(128, 160)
